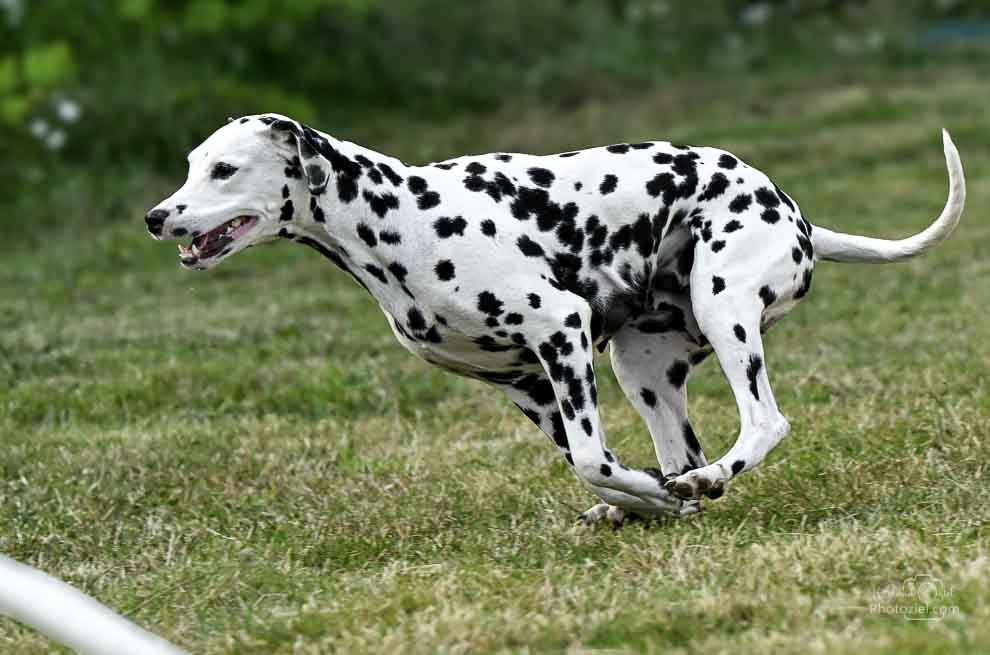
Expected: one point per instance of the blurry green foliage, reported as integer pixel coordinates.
(87, 83)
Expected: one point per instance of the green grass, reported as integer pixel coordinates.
(245, 461)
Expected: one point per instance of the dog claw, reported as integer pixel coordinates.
(693, 485)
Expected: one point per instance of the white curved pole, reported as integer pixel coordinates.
(70, 617)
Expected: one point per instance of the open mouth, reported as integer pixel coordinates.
(217, 242)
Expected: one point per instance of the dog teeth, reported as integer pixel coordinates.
(195, 250)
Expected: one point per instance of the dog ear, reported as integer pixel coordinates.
(310, 146)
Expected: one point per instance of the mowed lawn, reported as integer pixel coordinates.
(246, 462)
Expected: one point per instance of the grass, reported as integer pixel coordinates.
(245, 461)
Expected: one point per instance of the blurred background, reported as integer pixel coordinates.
(246, 460)
(104, 95)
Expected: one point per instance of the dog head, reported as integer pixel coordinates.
(246, 182)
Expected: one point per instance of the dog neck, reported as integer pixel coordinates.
(361, 219)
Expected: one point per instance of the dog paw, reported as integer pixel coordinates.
(604, 512)
(691, 507)
(707, 481)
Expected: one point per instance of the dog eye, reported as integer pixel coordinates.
(222, 171)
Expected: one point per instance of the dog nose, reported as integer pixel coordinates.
(155, 219)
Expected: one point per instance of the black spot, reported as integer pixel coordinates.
(428, 200)
(805, 244)
(643, 145)
(648, 397)
(586, 426)
(534, 301)
(770, 216)
(222, 170)
(767, 295)
(415, 319)
(367, 235)
(474, 183)
(664, 183)
(294, 169)
(718, 285)
(374, 175)
(606, 470)
(285, 191)
(489, 304)
(568, 154)
(399, 271)
(488, 227)
(530, 202)
(797, 255)
(287, 211)
(805, 284)
(578, 186)
(738, 466)
(476, 168)
(179, 231)
(573, 320)
(445, 166)
(316, 210)
(618, 148)
(503, 157)
(529, 247)
(783, 197)
(377, 272)
(621, 239)
(381, 203)
(740, 203)
(740, 332)
(447, 227)
(767, 198)
(690, 438)
(538, 388)
(416, 184)
(755, 364)
(180, 208)
(391, 238)
(732, 226)
(677, 373)
(608, 184)
(716, 187)
(541, 177)
(727, 162)
(392, 176)
(514, 318)
(445, 270)
(717, 245)
(347, 189)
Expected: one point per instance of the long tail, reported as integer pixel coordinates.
(839, 247)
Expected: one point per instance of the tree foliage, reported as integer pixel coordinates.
(136, 81)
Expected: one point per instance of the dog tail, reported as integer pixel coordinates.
(838, 247)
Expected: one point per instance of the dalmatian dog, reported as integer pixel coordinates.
(514, 269)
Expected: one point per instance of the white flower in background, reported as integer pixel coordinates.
(14, 10)
(39, 126)
(756, 14)
(875, 40)
(68, 110)
(55, 140)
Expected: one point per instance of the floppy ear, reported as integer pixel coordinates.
(309, 145)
